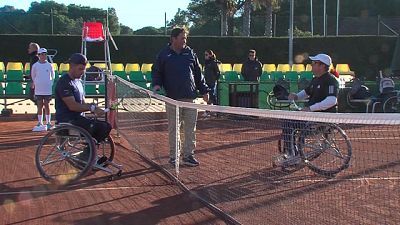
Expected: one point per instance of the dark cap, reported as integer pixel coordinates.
(78, 58)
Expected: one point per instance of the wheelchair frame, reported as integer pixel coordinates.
(309, 147)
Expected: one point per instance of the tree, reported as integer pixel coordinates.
(149, 31)
(125, 30)
(247, 8)
(180, 19)
(268, 6)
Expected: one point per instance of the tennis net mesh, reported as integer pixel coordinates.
(345, 168)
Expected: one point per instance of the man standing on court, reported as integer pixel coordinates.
(42, 74)
(177, 70)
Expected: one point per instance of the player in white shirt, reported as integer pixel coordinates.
(42, 73)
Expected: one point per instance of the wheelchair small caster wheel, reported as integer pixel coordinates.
(119, 173)
(111, 178)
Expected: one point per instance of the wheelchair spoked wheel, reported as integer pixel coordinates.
(271, 100)
(392, 105)
(65, 154)
(324, 148)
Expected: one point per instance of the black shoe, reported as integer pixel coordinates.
(190, 161)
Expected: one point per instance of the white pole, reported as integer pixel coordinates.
(337, 17)
(312, 17)
(324, 18)
(291, 33)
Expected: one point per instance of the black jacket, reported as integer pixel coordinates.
(251, 70)
(211, 71)
(179, 74)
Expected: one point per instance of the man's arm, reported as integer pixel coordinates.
(33, 75)
(53, 75)
(77, 107)
(327, 103)
(157, 72)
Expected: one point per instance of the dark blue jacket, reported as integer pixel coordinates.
(179, 74)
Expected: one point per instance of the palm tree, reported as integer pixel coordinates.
(269, 6)
(247, 8)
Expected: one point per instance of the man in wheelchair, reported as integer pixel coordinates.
(321, 93)
(70, 103)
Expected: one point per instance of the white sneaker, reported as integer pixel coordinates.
(40, 127)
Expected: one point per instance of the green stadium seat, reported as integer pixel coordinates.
(90, 89)
(148, 77)
(132, 67)
(237, 67)
(27, 68)
(308, 75)
(2, 71)
(14, 88)
(283, 67)
(15, 71)
(56, 73)
(276, 75)
(64, 68)
(268, 68)
(292, 77)
(225, 67)
(231, 76)
(102, 66)
(102, 89)
(146, 68)
(298, 68)
(1, 89)
(265, 77)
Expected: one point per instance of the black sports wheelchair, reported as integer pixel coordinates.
(68, 153)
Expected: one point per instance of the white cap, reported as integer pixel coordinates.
(42, 50)
(324, 58)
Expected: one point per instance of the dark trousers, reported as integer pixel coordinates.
(99, 130)
(213, 93)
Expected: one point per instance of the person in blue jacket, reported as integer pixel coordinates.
(177, 70)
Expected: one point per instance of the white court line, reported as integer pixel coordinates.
(352, 179)
(375, 138)
(66, 190)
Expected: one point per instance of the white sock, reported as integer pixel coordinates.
(48, 119)
(40, 119)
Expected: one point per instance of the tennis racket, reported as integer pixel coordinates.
(132, 100)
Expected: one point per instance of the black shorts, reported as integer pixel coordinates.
(43, 98)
